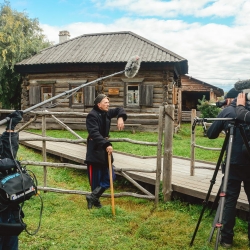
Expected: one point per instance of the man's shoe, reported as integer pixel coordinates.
(225, 245)
(97, 203)
(93, 198)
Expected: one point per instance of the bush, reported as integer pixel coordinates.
(207, 110)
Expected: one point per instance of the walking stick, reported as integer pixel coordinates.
(111, 185)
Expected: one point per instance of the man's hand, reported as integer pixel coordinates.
(15, 118)
(120, 123)
(241, 99)
(109, 150)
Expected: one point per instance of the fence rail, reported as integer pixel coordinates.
(166, 111)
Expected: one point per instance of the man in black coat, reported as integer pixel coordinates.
(98, 146)
(239, 172)
(9, 143)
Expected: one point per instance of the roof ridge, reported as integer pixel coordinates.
(118, 32)
(85, 35)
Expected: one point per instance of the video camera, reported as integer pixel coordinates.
(221, 103)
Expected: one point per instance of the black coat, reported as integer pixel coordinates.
(243, 114)
(237, 156)
(6, 149)
(98, 125)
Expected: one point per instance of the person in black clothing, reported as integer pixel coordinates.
(239, 172)
(9, 143)
(98, 146)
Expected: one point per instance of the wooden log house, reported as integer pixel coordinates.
(193, 90)
(86, 58)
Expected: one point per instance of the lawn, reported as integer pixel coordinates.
(138, 224)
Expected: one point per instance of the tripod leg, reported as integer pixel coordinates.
(214, 223)
(205, 202)
(216, 201)
(224, 187)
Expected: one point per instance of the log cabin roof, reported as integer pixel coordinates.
(186, 82)
(112, 47)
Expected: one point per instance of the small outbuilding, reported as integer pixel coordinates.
(193, 90)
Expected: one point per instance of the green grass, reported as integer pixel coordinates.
(68, 224)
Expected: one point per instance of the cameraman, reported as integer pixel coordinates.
(9, 143)
(239, 172)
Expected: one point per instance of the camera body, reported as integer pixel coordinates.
(221, 103)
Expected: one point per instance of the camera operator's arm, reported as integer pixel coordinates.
(219, 125)
(15, 118)
(10, 139)
(242, 114)
(215, 130)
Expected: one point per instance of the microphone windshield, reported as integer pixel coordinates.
(244, 84)
(132, 66)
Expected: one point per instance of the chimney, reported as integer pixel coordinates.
(64, 36)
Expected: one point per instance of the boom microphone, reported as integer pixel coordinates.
(130, 70)
(132, 66)
(241, 85)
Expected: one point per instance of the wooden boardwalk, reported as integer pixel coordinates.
(182, 182)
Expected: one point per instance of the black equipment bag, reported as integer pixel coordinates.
(16, 188)
(10, 229)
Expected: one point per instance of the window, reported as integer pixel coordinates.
(46, 93)
(77, 98)
(41, 91)
(83, 97)
(137, 93)
(133, 95)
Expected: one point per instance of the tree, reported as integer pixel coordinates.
(20, 38)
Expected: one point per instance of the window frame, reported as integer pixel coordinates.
(73, 85)
(131, 82)
(35, 91)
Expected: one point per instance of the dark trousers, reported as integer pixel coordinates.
(99, 176)
(229, 212)
(8, 242)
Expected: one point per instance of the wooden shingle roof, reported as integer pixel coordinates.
(106, 48)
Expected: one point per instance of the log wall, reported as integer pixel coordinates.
(162, 82)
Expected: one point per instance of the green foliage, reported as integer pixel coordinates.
(207, 110)
(20, 38)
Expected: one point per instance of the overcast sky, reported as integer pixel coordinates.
(213, 35)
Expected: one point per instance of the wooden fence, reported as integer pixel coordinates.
(194, 145)
(165, 123)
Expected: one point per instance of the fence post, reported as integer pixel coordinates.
(192, 157)
(44, 150)
(168, 152)
(159, 154)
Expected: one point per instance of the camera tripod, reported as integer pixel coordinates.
(228, 143)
